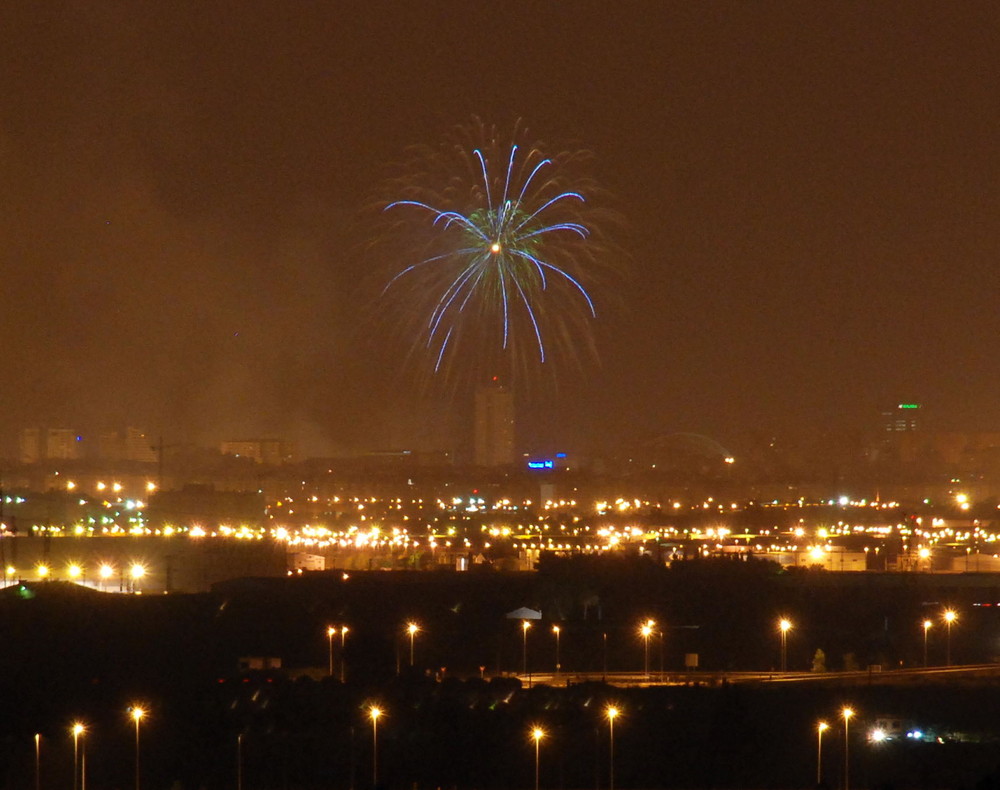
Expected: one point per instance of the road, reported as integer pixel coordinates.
(853, 678)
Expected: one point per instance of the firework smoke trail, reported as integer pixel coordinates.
(500, 251)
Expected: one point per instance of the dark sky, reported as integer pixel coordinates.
(810, 190)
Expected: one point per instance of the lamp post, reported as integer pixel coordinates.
(646, 630)
(820, 729)
(927, 627)
(537, 733)
(411, 629)
(784, 625)
(330, 633)
(525, 625)
(137, 714)
(611, 711)
(343, 652)
(78, 729)
(38, 760)
(239, 761)
(374, 712)
(105, 572)
(949, 618)
(847, 713)
(136, 572)
(556, 630)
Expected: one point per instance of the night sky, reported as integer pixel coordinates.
(810, 194)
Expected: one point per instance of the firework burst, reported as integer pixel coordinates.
(502, 248)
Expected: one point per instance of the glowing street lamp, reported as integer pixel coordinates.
(42, 570)
(136, 572)
(784, 626)
(847, 713)
(537, 733)
(646, 630)
(38, 761)
(330, 633)
(77, 730)
(374, 712)
(74, 571)
(343, 654)
(137, 713)
(611, 712)
(927, 627)
(949, 618)
(556, 630)
(412, 629)
(525, 625)
(820, 729)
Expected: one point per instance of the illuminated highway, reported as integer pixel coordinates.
(704, 678)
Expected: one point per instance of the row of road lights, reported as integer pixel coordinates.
(949, 616)
(537, 733)
(847, 714)
(411, 630)
(331, 632)
(611, 712)
(646, 630)
(78, 730)
(77, 572)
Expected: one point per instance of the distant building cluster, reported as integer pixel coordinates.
(262, 451)
(40, 444)
(65, 444)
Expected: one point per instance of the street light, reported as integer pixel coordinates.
(525, 625)
(847, 713)
(137, 714)
(820, 729)
(537, 733)
(374, 712)
(136, 572)
(556, 630)
(949, 618)
(77, 729)
(646, 631)
(38, 760)
(411, 629)
(611, 712)
(330, 633)
(343, 653)
(784, 625)
(927, 627)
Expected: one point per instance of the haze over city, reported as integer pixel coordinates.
(808, 195)
(499, 395)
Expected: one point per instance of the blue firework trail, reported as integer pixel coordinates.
(502, 253)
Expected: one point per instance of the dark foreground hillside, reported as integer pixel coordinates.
(72, 653)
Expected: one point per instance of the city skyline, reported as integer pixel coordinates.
(809, 195)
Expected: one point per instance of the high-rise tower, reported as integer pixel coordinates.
(494, 426)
